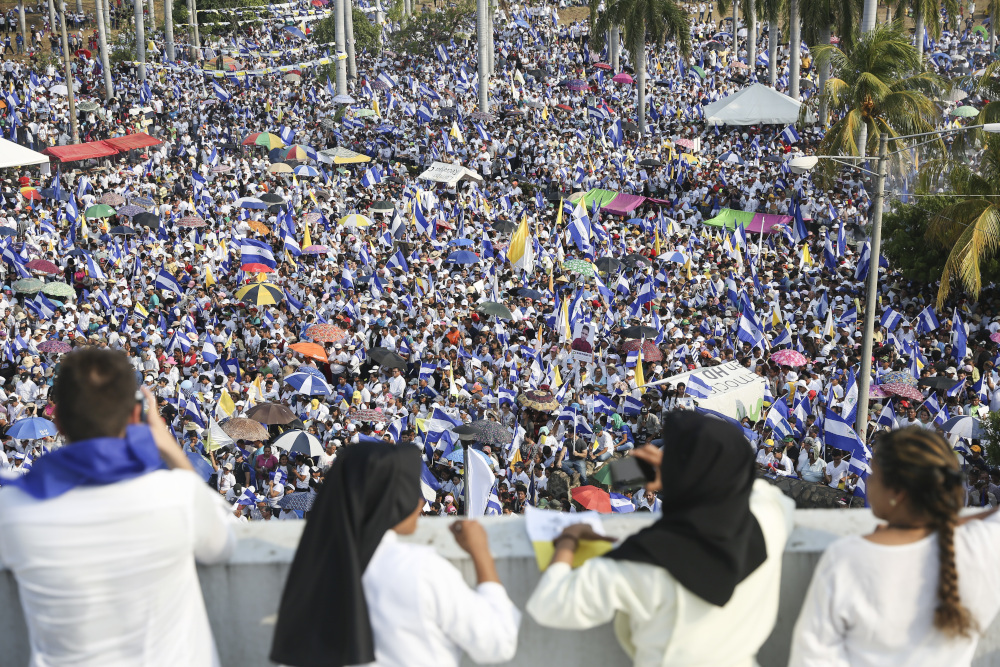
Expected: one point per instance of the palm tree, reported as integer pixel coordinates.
(877, 87)
(794, 48)
(971, 226)
(772, 10)
(750, 10)
(926, 15)
(820, 19)
(662, 19)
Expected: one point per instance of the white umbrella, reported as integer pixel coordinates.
(300, 442)
(59, 89)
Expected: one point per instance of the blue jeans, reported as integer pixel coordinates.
(627, 447)
(604, 457)
(579, 466)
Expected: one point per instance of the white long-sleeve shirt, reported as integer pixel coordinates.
(107, 574)
(423, 614)
(873, 604)
(657, 620)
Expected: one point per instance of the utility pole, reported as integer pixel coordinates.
(352, 67)
(481, 57)
(864, 377)
(102, 45)
(168, 29)
(140, 38)
(341, 49)
(68, 69)
(24, 25)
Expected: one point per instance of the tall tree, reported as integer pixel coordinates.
(970, 226)
(926, 15)
(820, 20)
(661, 19)
(877, 87)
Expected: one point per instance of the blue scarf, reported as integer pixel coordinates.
(93, 462)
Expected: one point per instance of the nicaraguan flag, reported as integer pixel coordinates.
(697, 387)
(165, 281)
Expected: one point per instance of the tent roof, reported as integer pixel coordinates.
(130, 141)
(443, 172)
(623, 204)
(85, 151)
(16, 155)
(754, 105)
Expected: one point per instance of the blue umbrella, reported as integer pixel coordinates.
(201, 467)
(311, 371)
(306, 170)
(32, 428)
(461, 242)
(730, 158)
(251, 202)
(309, 384)
(462, 257)
(292, 30)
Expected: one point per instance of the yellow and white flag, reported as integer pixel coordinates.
(521, 252)
(456, 133)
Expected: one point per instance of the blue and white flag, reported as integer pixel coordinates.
(890, 319)
(697, 387)
(165, 281)
(620, 504)
(927, 320)
(220, 92)
(789, 135)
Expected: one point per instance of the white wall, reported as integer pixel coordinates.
(242, 596)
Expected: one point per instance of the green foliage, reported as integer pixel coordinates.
(991, 438)
(907, 241)
(366, 33)
(123, 50)
(420, 33)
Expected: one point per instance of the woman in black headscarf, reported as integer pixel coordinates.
(699, 586)
(356, 595)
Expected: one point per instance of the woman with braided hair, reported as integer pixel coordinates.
(921, 588)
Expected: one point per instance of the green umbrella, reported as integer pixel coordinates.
(382, 207)
(364, 113)
(99, 211)
(965, 112)
(700, 72)
(496, 309)
(982, 31)
(58, 289)
(581, 266)
(28, 285)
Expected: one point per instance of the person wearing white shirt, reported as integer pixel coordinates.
(106, 570)
(924, 579)
(837, 470)
(697, 586)
(363, 596)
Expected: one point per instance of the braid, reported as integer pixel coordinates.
(921, 463)
(950, 617)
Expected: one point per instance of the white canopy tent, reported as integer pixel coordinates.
(16, 155)
(443, 172)
(754, 105)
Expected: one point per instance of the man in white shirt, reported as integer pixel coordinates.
(106, 570)
(836, 470)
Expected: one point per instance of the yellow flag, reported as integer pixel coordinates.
(687, 267)
(456, 133)
(592, 170)
(545, 113)
(556, 378)
(559, 216)
(806, 259)
(486, 205)
(226, 404)
(776, 319)
(209, 278)
(517, 457)
(521, 252)
(656, 241)
(306, 239)
(375, 107)
(640, 377)
(451, 381)
(141, 310)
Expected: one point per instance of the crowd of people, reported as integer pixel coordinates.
(274, 244)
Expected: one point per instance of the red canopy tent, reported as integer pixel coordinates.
(132, 141)
(73, 152)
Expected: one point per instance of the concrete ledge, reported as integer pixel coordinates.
(242, 595)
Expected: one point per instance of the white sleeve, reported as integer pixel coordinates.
(213, 537)
(820, 632)
(482, 622)
(590, 595)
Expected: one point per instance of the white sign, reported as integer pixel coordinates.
(443, 172)
(736, 390)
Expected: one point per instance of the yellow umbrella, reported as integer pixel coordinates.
(355, 220)
(279, 168)
(260, 294)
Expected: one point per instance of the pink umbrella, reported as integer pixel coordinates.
(875, 391)
(995, 337)
(789, 358)
(685, 143)
(903, 391)
(622, 77)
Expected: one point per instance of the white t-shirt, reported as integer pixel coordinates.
(872, 604)
(837, 472)
(302, 484)
(107, 573)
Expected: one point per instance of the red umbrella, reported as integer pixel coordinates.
(83, 52)
(649, 350)
(603, 66)
(254, 267)
(191, 221)
(592, 498)
(326, 333)
(564, 107)
(43, 266)
(903, 391)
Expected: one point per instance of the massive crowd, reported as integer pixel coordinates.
(288, 284)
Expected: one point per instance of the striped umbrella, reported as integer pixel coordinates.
(299, 442)
(264, 139)
(260, 294)
(308, 384)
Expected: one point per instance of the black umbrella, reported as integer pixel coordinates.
(496, 309)
(121, 230)
(608, 264)
(8, 231)
(650, 162)
(386, 358)
(716, 46)
(382, 207)
(272, 198)
(490, 432)
(466, 432)
(150, 220)
(937, 382)
(635, 260)
(777, 159)
(529, 293)
(504, 226)
(538, 74)
(629, 126)
(639, 331)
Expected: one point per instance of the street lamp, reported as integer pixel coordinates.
(804, 164)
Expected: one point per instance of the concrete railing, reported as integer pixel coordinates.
(242, 595)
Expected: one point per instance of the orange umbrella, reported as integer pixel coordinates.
(259, 227)
(310, 350)
(31, 194)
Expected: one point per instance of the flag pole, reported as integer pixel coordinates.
(465, 474)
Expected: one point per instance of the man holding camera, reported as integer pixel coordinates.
(103, 534)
